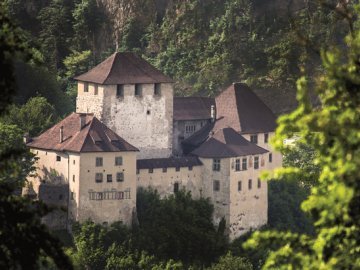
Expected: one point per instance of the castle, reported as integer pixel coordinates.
(129, 131)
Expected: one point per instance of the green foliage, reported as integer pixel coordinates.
(12, 45)
(35, 116)
(23, 239)
(16, 161)
(332, 130)
(230, 262)
(55, 20)
(178, 227)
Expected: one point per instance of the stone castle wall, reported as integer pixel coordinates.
(145, 121)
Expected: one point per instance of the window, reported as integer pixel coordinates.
(176, 187)
(148, 112)
(118, 161)
(190, 168)
(151, 170)
(254, 138)
(73, 178)
(239, 185)
(137, 90)
(216, 185)
(256, 163)
(109, 178)
(120, 177)
(164, 169)
(250, 184)
(270, 157)
(259, 183)
(190, 128)
(120, 90)
(157, 89)
(86, 87)
(74, 161)
(244, 164)
(237, 165)
(266, 137)
(58, 158)
(72, 196)
(216, 164)
(95, 89)
(98, 177)
(99, 162)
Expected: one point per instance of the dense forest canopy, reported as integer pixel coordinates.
(203, 45)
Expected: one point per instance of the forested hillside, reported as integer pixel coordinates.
(203, 45)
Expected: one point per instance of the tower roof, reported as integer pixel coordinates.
(124, 68)
(240, 108)
(74, 134)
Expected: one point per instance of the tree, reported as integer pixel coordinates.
(230, 262)
(332, 130)
(22, 236)
(34, 117)
(178, 227)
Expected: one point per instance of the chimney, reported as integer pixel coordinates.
(61, 134)
(212, 113)
(26, 138)
(82, 120)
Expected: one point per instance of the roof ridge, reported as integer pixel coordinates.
(111, 68)
(88, 131)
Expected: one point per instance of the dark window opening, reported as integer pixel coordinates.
(157, 89)
(244, 164)
(237, 165)
(120, 177)
(120, 90)
(176, 187)
(256, 163)
(73, 178)
(99, 162)
(137, 90)
(86, 87)
(95, 89)
(148, 112)
(270, 157)
(98, 177)
(239, 186)
(118, 161)
(259, 183)
(58, 158)
(250, 184)
(109, 178)
(254, 138)
(216, 185)
(266, 137)
(216, 164)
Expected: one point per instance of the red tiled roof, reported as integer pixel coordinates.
(124, 68)
(241, 109)
(93, 137)
(192, 108)
(227, 143)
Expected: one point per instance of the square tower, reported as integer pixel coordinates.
(134, 99)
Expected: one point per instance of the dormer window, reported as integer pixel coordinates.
(120, 90)
(157, 89)
(266, 137)
(138, 90)
(254, 138)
